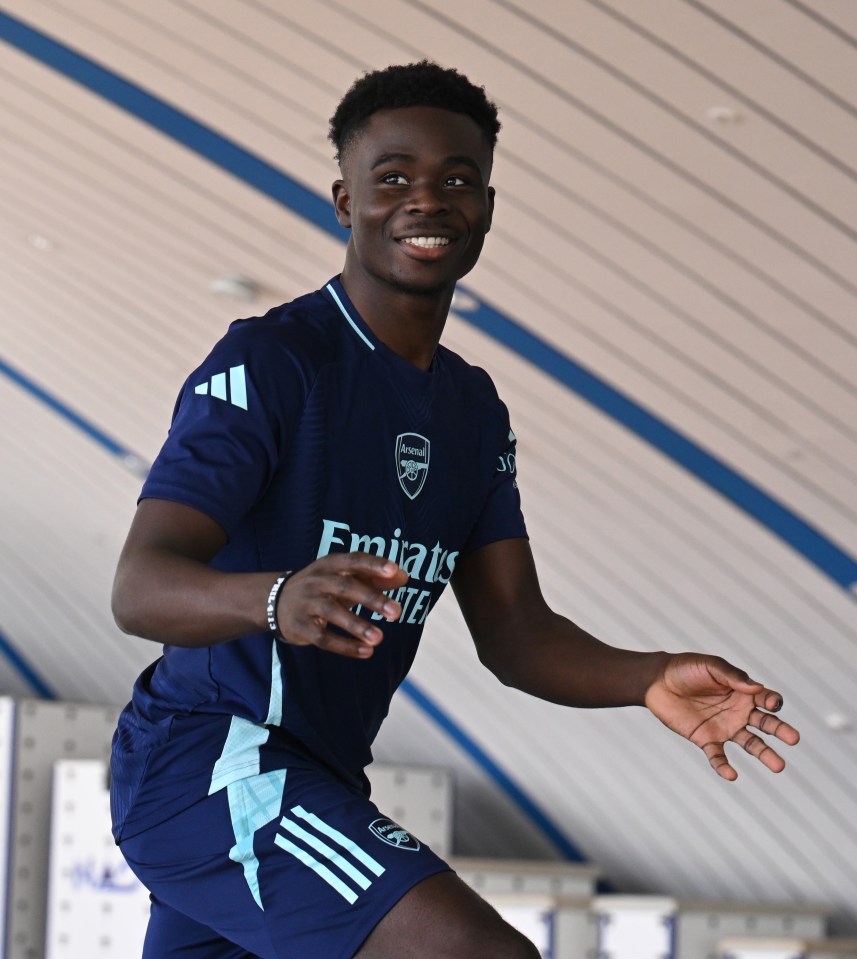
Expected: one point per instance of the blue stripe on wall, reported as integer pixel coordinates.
(270, 181)
(524, 802)
(278, 186)
(67, 413)
(793, 530)
(10, 651)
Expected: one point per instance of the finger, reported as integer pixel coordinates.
(365, 566)
(340, 645)
(351, 624)
(768, 699)
(317, 632)
(718, 761)
(757, 747)
(317, 591)
(311, 623)
(772, 726)
(388, 581)
(349, 591)
(730, 675)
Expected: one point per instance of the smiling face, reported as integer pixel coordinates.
(415, 194)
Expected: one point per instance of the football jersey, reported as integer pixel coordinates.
(302, 435)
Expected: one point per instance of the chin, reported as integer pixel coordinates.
(414, 288)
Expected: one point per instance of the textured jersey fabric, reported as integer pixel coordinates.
(302, 435)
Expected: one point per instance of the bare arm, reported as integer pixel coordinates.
(527, 645)
(166, 590)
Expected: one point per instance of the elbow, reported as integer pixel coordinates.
(126, 610)
(496, 664)
(122, 614)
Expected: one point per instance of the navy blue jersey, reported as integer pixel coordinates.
(302, 435)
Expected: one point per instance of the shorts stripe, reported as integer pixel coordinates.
(348, 894)
(371, 864)
(327, 851)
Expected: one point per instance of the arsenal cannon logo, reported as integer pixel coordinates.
(392, 833)
(412, 462)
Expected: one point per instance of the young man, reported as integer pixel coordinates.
(292, 537)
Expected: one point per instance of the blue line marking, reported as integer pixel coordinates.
(496, 772)
(793, 530)
(277, 185)
(11, 653)
(174, 123)
(67, 413)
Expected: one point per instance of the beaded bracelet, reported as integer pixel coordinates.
(273, 599)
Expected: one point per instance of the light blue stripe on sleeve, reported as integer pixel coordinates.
(218, 386)
(238, 386)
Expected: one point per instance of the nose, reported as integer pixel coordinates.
(427, 198)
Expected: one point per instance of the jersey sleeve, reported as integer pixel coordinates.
(501, 516)
(233, 418)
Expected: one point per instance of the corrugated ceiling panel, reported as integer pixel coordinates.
(64, 502)
(703, 268)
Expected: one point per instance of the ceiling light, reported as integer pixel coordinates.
(41, 242)
(724, 115)
(838, 723)
(237, 287)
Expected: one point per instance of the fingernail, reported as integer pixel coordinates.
(778, 705)
(388, 568)
(391, 610)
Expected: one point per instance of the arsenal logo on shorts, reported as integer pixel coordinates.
(392, 833)
(412, 462)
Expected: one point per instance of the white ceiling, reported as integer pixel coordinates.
(667, 303)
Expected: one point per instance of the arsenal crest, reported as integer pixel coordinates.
(412, 462)
(393, 834)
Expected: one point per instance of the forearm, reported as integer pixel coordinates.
(170, 598)
(556, 660)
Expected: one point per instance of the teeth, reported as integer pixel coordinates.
(427, 241)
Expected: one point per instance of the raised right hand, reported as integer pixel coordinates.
(326, 593)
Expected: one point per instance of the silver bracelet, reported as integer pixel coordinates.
(273, 599)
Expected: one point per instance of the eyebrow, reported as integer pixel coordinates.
(385, 158)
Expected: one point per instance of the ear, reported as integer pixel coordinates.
(491, 194)
(342, 203)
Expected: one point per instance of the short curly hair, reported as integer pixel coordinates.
(423, 84)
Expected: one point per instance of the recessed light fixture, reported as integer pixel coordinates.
(838, 722)
(724, 115)
(41, 242)
(235, 286)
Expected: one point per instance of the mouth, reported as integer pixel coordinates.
(427, 248)
(426, 242)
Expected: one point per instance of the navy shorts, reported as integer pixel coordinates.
(288, 863)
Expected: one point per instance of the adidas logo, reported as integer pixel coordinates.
(341, 868)
(216, 387)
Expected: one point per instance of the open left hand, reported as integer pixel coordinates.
(710, 702)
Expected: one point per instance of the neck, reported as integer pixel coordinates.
(409, 322)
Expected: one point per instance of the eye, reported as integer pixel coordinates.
(397, 179)
(455, 181)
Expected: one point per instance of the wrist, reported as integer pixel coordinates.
(273, 603)
(654, 670)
